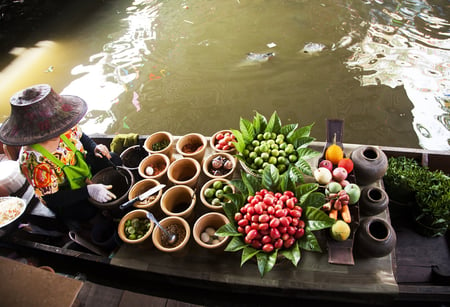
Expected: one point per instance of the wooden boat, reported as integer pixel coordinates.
(413, 272)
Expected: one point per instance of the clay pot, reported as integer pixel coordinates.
(213, 141)
(375, 237)
(172, 223)
(179, 201)
(207, 223)
(222, 172)
(132, 157)
(373, 200)
(184, 171)
(142, 186)
(207, 185)
(158, 137)
(369, 164)
(138, 213)
(104, 234)
(159, 163)
(192, 145)
(121, 180)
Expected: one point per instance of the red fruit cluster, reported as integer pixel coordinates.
(224, 141)
(270, 220)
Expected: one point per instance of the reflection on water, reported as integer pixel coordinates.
(183, 66)
(405, 45)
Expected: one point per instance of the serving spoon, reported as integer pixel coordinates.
(172, 238)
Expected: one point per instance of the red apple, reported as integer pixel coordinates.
(327, 164)
(339, 174)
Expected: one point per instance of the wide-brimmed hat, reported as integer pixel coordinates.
(38, 114)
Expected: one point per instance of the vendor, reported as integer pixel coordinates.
(56, 157)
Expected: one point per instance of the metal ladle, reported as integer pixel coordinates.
(172, 238)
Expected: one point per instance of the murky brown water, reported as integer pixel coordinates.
(181, 66)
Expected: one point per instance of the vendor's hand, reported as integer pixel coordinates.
(102, 151)
(100, 192)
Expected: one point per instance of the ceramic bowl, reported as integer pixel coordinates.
(219, 136)
(142, 186)
(208, 201)
(204, 230)
(140, 214)
(220, 172)
(173, 224)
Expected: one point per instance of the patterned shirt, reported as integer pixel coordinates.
(45, 176)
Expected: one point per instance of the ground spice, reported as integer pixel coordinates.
(176, 229)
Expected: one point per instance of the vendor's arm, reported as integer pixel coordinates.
(65, 197)
(98, 149)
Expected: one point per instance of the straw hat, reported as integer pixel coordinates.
(38, 114)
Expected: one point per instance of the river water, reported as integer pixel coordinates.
(181, 66)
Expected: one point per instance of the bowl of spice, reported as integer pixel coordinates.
(141, 187)
(192, 145)
(135, 227)
(160, 142)
(174, 225)
(154, 166)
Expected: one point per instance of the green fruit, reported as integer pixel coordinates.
(293, 158)
(333, 187)
(253, 155)
(282, 160)
(228, 189)
(267, 135)
(216, 202)
(255, 143)
(260, 137)
(265, 156)
(289, 148)
(273, 160)
(209, 192)
(340, 231)
(275, 153)
(218, 185)
(219, 194)
(259, 161)
(281, 168)
(354, 192)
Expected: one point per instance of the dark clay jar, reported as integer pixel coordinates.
(370, 164)
(375, 238)
(373, 201)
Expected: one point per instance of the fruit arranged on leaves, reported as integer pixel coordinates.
(270, 220)
(354, 193)
(270, 148)
(323, 175)
(224, 140)
(340, 231)
(346, 163)
(215, 194)
(334, 153)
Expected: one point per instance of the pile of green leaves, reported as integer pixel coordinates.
(299, 137)
(310, 199)
(429, 189)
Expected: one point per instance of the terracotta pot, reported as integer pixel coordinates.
(369, 164)
(213, 142)
(121, 180)
(222, 171)
(184, 171)
(192, 145)
(138, 213)
(141, 187)
(179, 201)
(373, 200)
(204, 231)
(208, 185)
(158, 163)
(132, 157)
(375, 237)
(158, 137)
(172, 223)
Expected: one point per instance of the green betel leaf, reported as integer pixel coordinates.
(270, 177)
(259, 123)
(299, 133)
(230, 208)
(302, 191)
(293, 254)
(304, 166)
(315, 199)
(295, 175)
(274, 124)
(248, 253)
(239, 184)
(309, 242)
(240, 142)
(287, 129)
(251, 183)
(228, 230)
(247, 130)
(316, 219)
(303, 142)
(236, 244)
(266, 262)
(307, 153)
